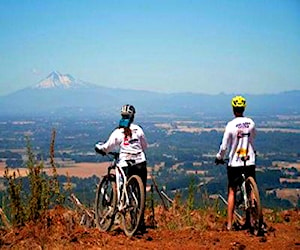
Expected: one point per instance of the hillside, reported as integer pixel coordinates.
(59, 229)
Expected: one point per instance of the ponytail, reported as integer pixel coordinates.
(127, 132)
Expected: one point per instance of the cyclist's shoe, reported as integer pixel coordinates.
(142, 230)
(219, 161)
(227, 227)
(234, 227)
(142, 227)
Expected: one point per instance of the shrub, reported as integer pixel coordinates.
(44, 191)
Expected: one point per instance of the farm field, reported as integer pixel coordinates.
(82, 170)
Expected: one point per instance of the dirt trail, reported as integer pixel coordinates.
(60, 230)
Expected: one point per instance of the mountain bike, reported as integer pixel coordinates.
(248, 210)
(118, 194)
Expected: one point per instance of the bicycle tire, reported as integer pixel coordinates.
(240, 213)
(134, 211)
(255, 209)
(106, 202)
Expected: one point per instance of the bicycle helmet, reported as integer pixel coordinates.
(238, 102)
(128, 110)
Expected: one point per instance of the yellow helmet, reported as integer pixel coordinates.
(238, 102)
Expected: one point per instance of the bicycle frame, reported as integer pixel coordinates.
(121, 180)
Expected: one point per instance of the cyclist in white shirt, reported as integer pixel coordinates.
(131, 142)
(239, 136)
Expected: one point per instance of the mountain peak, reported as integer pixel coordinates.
(57, 80)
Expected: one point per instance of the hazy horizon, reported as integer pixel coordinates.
(207, 47)
(158, 91)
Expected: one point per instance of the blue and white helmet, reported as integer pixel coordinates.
(128, 110)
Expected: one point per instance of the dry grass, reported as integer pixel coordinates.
(178, 217)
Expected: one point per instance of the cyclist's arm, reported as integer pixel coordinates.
(224, 145)
(253, 131)
(252, 138)
(143, 140)
(112, 142)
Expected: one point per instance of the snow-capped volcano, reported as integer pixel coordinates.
(58, 80)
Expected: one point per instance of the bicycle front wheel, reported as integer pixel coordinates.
(134, 210)
(106, 202)
(255, 210)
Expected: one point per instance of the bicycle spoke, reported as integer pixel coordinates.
(105, 204)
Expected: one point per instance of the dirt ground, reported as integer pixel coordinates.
(59, 229)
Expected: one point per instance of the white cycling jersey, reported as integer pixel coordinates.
(239, 135)
(129, 148)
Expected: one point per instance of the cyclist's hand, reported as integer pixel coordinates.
(219, 161)
(99, 151)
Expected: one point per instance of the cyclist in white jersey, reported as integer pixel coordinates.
(131, 142)
(239, 136)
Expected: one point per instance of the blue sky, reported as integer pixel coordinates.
(231, 46)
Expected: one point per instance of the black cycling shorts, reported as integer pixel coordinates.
(234, 174)
(140, 170)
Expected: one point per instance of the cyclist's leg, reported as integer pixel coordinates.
(233, 174)
(140, 170)
(143, 175)
(250, 171)
(230, 207)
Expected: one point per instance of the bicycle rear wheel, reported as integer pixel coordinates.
(106, 202)
(255, 210)
(135, 208)
(240, 213)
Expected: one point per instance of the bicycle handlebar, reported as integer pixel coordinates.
(114, 154)
(222, 161)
